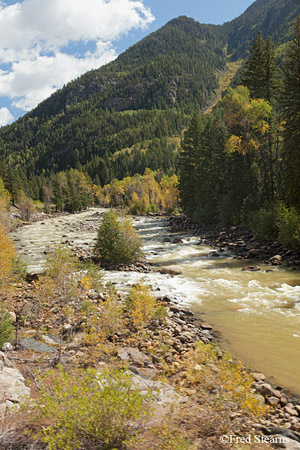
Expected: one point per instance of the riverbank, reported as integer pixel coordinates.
(168, 350)
(176, 340)
(240, 241)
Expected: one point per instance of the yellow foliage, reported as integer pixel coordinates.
(140, 193)
(229, 383)
(7, 255)
(141, 305)
(85, 283)
(234, 144)
(249, 115)
(100, 325)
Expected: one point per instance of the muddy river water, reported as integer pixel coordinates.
(257, 313)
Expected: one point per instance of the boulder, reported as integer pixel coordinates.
(256, 252)
(135, 356)
(170, 270)
(163, 393)
(291, 411)
(276, 260)
(177, 240)
(265, 390)
(214, 255)
(51, 339)
(12, 385)
(7, 347)
(273, 401)
(251, 269)
(13, 316)
(259, 376)
(35, 346)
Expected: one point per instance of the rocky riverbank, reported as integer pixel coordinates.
(163, 350)
(158, 360)
(240, 241)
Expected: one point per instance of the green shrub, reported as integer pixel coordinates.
(277, 223)
(288, 222)
(117, 241)
(19, 268)
(6, 326)
(87, 410)
(263, 224)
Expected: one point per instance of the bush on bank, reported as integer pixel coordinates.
(117, 241)
(87, 410)
(277, 223)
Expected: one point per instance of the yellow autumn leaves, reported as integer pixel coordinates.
(7, 250)
(247, 118)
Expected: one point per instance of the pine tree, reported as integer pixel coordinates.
(291, 116)
(187, 164)
(210, 170)
(270, 84)
(253, 75)
(260, 76)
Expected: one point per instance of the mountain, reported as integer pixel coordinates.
(129, 114)
(273, 18)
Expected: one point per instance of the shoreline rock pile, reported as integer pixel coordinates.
(240, 241)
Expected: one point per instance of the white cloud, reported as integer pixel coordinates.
(5, 117)
(35, 35)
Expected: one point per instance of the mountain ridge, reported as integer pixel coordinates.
(140, 101)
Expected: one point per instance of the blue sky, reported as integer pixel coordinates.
(46, 43)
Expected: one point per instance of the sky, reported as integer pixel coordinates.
(44, 44)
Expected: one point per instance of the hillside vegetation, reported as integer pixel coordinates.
(117, 120)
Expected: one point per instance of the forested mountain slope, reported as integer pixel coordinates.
(273, 18)
(129, 114)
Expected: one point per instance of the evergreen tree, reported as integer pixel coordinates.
(187, 164)
(253, 75)
(291, 116)
(270, 84)
(260, 76)
(210, 170)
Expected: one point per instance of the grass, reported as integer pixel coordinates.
(224, 82)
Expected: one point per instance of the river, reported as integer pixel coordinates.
(257, 313)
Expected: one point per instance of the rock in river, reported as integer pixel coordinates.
(170, 270)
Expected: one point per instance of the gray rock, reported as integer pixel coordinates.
(273, 401)
(260, 399)
(5, 362)
(163, 393)
(13, 316)
(170, 270)
(136, 356)
(51, 339)
(251, 269)
(12, 387)
(277, 393)
(290, 411)
(7, 347)
(270, 431)
(34, 345)
(276, 260)
(259, 376)
(177, 240)
(265, 390)
(284, 443)
(256, 252)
